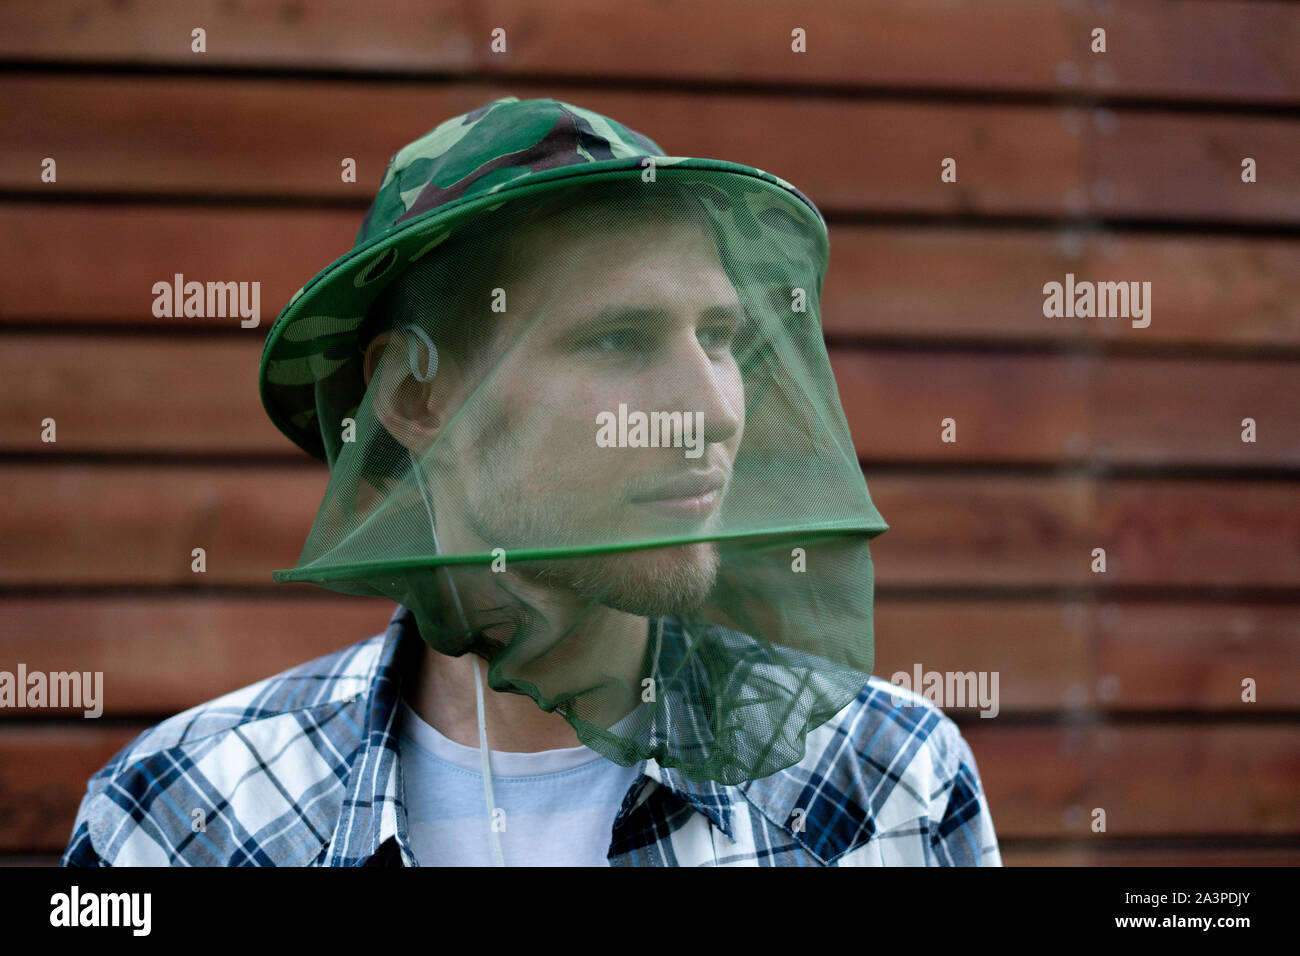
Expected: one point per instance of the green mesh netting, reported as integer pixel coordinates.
(594, 437)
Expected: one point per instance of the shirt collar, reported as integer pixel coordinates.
(372, 811)
(684, 696)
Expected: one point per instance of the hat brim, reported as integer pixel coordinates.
(316, 333)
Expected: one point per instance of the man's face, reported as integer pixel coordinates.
(640, 316)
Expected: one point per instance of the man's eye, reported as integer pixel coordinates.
(717, 338)
(617, 340)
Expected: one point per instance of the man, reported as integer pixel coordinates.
(581, 426)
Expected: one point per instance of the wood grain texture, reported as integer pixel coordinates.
(244, 138)
(1212, 50)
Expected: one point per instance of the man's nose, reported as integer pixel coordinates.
(711, 386)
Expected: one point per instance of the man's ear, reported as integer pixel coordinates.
(410, 410)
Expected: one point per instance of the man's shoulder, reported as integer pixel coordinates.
(888, 720)
(894, 746)
(887, 776)
(209, 783)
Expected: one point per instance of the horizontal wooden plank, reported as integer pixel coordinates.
(56, 268)
(117, 525)
(1151, 780)
(1206, 50)
(244, 138)
(112, 525)
(43, 775)
(1023, 531)
(883, 282)
(160, 655)
(1188, 657)
(158, 394)
(1033, 409)
(1168, 855)
(986, 284)
(1041, 782)
(30, 859)
(136, 394)
(1115, 655)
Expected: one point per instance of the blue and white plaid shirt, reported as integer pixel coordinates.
(302, 769)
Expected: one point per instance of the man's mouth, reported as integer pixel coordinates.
(689, 496)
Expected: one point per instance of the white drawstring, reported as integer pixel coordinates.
(497, 858)
(494, 838)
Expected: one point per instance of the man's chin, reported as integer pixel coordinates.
(652, 582)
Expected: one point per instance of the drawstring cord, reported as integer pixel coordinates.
(497, 858)
(494, 838)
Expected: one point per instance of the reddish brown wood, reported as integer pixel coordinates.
(196, 136)
(161, 655)
(1173, 855)
(986, 285)
(1212, 49)
(1151, 780)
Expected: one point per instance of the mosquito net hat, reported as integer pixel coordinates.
(580, 420)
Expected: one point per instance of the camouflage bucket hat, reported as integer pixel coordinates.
(470, 165)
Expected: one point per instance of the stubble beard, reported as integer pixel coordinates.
(649, 581)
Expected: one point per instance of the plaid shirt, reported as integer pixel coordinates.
(302, 769)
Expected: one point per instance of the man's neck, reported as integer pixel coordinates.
(443, 696)
(610, 648)
(602, 646)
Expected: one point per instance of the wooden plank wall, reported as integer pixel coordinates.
(1120, 691)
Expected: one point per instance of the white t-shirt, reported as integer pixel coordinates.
(559, 805)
